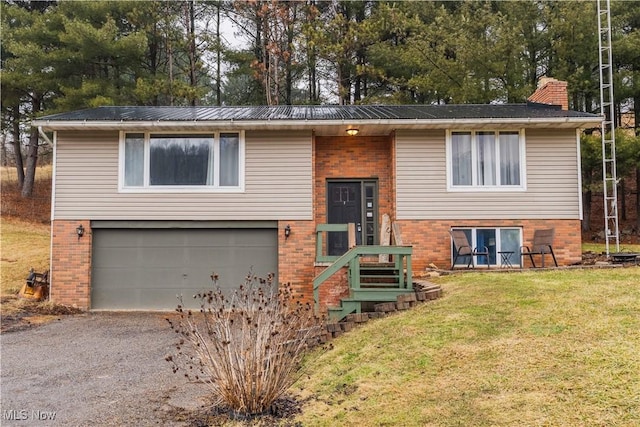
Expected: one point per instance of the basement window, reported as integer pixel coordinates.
(501, 239)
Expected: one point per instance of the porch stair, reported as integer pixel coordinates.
(353, 304)
(379, 274)
(375, 282)
(371, 282)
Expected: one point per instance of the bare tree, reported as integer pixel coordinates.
(17, 146)
(32, 151)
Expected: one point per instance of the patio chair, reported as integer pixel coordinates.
(541, 244)
(463, 248)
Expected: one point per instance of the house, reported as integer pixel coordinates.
(148, 202)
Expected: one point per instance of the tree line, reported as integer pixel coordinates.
(65, 55)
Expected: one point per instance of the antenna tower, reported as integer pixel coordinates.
(610, 180)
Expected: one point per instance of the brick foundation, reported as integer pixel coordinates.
(71, 264)
(432, 243)
(334, 289)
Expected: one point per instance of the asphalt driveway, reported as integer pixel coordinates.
(104, 369)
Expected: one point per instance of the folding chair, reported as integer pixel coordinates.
(542, 244)
(463, 248)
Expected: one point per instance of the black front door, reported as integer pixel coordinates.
(344, 206)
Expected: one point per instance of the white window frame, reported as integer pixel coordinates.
(516, 258)
(474, 162)
(213, 188)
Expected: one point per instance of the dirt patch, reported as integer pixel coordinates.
(20, 313)
(281, 414)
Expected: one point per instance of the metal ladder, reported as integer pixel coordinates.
(609, 175)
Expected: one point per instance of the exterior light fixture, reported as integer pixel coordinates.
(352, 131)
(287, 231)
(80, 231)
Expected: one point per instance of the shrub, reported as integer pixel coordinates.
(246, 347)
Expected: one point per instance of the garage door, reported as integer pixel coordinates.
(148, 268)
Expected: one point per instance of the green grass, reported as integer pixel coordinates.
(23, 245)
(600, 247)
(528, 348)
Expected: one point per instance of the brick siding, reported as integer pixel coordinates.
(334, 289)
(432, 243)
(296, 256)
(344, 158)
(71, 264)
(352, 158)
(337, 158)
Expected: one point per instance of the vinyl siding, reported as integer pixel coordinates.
(278, 183)
(552, 189)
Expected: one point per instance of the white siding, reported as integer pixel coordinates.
(552, 180)
(278, 183)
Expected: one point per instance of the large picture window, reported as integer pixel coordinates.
(487, 159)
(169, 161)
(503, 244)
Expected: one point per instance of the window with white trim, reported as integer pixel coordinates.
(507, 240)
(169, 161)
(485, 159)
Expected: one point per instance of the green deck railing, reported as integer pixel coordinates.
(321, 229)
(401, 256)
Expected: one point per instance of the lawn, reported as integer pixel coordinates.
(24, 245)
(529, 348)
(601, 248)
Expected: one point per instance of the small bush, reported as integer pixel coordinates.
(246, 347)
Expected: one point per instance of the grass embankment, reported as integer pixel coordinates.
(531, 348)
(25, 229)
(24, 245)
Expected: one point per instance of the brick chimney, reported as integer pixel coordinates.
(551, 91)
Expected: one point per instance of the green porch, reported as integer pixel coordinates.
(376, 273)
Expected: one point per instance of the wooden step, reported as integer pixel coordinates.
(377, 264)
(379, 285)
(377, 268)
(378, 294)
(347, 306)
(378, 279)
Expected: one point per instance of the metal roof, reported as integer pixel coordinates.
(323, 119)
(317, 112)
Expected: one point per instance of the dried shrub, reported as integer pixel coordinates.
(246, 347)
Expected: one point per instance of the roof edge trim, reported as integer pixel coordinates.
(579, 121)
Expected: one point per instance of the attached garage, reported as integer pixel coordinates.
(146, 265)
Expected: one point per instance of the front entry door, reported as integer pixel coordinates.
(352, 202)
(345, 206)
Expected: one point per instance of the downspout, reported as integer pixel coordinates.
(579, 158)
(44, 136)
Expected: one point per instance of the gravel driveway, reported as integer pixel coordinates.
(94, 369)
